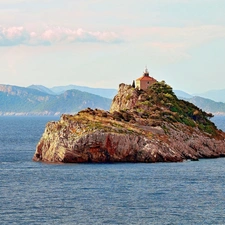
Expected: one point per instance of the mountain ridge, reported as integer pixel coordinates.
(104, 92)
(217, 108)
(215, 95)
(15, 100)
(42, 89)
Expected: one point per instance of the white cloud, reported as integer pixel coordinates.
(10, 36)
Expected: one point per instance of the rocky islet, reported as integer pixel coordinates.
(141, 126)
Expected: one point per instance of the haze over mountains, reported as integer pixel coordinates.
(104, 92)
(214, 102)
(40, 100)
(215, 95)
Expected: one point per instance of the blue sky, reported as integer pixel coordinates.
(101, 43)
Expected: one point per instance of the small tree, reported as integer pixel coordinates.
(133, 84)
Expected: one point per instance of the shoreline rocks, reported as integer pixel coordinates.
(80, 139)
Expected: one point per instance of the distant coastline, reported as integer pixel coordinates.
(29, 114)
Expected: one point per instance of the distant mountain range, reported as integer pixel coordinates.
(208, 105)
(40, 100)
(182, 94)
(215, 95)
(205, 104)
(104, 92)
(43, 89)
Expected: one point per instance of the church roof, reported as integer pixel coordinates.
(146, 78)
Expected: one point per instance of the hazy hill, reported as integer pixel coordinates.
(42, 89)
(216, 95)
(27, 101)
(182, 94)
(104, 92)
(208, 105)
(219, 121)
(19, 99)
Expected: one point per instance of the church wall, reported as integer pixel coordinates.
(138, 84)
(145, 84)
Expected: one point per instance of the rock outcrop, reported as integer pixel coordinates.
(142, 126)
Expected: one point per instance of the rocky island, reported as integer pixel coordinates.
(147, 126)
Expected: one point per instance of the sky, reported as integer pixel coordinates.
(102, 43)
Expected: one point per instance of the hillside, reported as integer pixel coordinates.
(205, 104)
(208, 105)
(104, 92)
(215, 95)
(142, 126)
(28, 101)
(182, 94)
(42, 89)
(159, 104)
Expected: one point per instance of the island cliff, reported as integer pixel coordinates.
(142, 126)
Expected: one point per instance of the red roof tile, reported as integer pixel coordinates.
(146, 78)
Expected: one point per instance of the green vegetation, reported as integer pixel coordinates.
(161, 104)
(89, 120)
(143, 113)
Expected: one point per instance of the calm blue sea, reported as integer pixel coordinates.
(126, 193)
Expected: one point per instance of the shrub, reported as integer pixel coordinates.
(188, 122)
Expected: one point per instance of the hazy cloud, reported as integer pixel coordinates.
(181, 38)
(13, 36)
(10, 36)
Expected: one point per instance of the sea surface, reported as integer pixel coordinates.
(124, 193)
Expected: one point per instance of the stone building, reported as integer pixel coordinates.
(145, 81)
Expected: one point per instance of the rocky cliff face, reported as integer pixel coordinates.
(142, 126)
(126, 98)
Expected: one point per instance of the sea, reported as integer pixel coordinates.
(191, 192)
